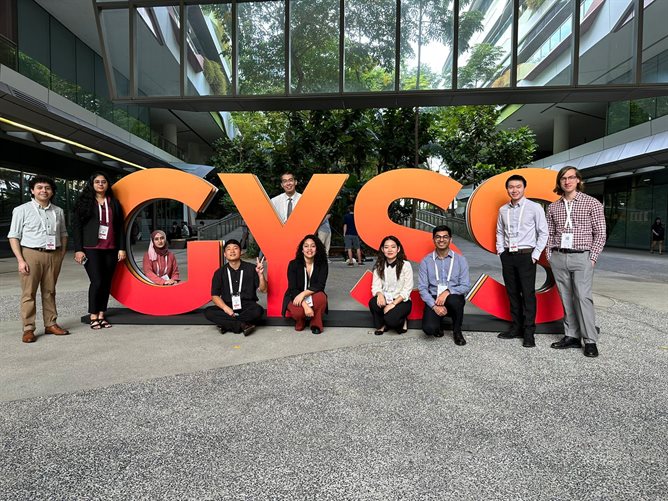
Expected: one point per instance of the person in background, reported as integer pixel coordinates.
(351, 238)
(159, 264)
(99, 242)
(38, 238)
(658, 234)
(185, 230)
(234, 292)
(325, 234)
(305, 297)
(391, 288)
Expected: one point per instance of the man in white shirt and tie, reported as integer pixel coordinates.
(285, 203)
(521, 236)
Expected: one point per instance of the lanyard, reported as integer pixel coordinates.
(106, 212)
(158, 261)
(307, 277)
(452, 262)
(229, 279)
(569, 209)
(45, 225)
(519, 221)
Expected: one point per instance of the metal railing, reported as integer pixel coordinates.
(222, 227)
(426, 220)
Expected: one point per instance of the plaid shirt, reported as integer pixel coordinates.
(588, 225)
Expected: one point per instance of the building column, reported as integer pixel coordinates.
(560, 134)
(169, 132)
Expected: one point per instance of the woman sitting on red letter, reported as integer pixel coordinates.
(160, 265)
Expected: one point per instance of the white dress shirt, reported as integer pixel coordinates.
(390, 285)
(280, 203)
(530, 232)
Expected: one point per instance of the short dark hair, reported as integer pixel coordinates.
(516, 177)
(41, 179)
(441, 227)
(561, 173)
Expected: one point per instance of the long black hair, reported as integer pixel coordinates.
(320, 257)
(83, 208)
(382, 261)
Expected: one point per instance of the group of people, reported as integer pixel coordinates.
(572, 232)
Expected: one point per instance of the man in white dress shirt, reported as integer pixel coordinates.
(521, 236)
(285, 203)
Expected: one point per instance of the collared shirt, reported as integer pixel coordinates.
(220, 284)
(459, 282)
(530, 232)
(31, 223)
(588, 225)
(280, 203)
(389, 284)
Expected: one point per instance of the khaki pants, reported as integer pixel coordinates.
(44, 271)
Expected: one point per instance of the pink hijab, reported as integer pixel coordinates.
(154, 252)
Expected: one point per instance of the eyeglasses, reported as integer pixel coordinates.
(442, 237)
(291, 180)
(569, 178)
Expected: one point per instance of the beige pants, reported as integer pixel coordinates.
(44, 271)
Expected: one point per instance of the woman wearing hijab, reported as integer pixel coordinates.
(160, 265)
(99, 242)
(391, 288)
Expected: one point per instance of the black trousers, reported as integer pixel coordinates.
(432, 323)
(250, 313)
(519, 275)
(394, 319)
(100, 267)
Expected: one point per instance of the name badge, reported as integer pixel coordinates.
(388, 297)
(165, 277)
(566, 240)
(103, 232)
(441, 289)
(513, 246)
(50, 242)
(236, 302)
(309, 300)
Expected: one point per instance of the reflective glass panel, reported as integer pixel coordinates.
(63, 61)
(158, 51)
(115, 30)
(261, 44)
(544, 54)
(655, 42)
(606, 43)
(209, 32)
(34, 54)
(370, 45)
(484, 45)
(314, 46)
(426, 44)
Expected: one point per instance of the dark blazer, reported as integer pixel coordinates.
(296, 281)
(85, 232)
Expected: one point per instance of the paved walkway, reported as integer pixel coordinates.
(146, 412)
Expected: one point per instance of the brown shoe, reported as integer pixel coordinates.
(29, 337)
(56, 329)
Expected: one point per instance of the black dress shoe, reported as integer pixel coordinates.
(459, 339)
(509, 335)
(566, 342)
(379, 332)
(222, 329)
(529, 341)
(402, 331)
(591, 350)
(246, 329)
(315, 330)
(439, 334)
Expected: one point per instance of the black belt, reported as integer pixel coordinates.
(567, 251)
(520, 251)
(42, 249)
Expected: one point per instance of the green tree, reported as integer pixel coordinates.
(473, 149)
(481, 67)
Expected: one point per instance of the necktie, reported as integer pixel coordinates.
(289, 208)
(392, 265)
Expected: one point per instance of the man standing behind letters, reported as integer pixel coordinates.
(576, 226)
(38, 238)
(521, 235)
(286, 201)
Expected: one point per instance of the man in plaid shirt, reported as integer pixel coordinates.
(576, 227)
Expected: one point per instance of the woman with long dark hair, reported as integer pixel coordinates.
(658, 234)
(307, 275)
(391, 288)
(99, 242)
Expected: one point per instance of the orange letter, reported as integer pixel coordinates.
(481, 214)
(136, 190)
(279, 241)
(372, 221)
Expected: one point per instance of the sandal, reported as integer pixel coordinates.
(95, 324)
(104, 323)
